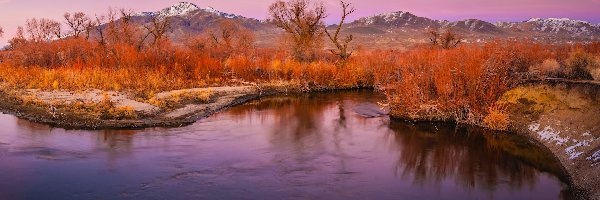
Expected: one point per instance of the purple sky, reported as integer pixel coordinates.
(15, 12)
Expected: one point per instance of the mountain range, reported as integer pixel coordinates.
(395, 30)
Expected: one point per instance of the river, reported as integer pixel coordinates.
(313, 146)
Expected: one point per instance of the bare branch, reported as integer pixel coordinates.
(78, 22)
(342, 47)
(41, 30)
(301, 22)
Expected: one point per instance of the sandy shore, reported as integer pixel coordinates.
(50, 107)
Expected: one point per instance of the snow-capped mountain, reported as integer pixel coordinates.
(553, 25)
(556, 27)
(473, 25)
(179, 9)
(403, 19)
(222, 14)
(398, 19)
(185, 9)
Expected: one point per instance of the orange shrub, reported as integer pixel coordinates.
(497, 118)
(457, 84)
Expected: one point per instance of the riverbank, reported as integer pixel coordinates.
(96, 109)
(562, 116)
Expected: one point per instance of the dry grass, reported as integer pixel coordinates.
(105, 109)
(179, 99)
(594, 69)
(497, 118)
(548, 69)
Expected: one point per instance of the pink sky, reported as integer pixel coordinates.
(14, 12)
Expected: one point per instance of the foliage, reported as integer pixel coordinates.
(578, 64)
(548, 69)
(497, 118)
(457, 84)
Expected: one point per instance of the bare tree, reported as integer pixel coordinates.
(97, 26)
(446, 40)
(342, 47)
(229, 37)
(19, 39)
(78, 22)
(56, 28)
(43, 29)
(1, 31)
(223, 36)
(89, 28)
(119, 27)
(126, 27)
(434, 36)
(157, 28)
(245, 40)
(302, 23)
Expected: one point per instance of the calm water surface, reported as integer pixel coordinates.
(318, 146)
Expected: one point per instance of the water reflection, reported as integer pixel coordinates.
(432, 153)
(427, 153)
(312, 146)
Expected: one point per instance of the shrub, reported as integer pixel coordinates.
(578, 65)
(549, 68)
(497, 118)
(594, 69)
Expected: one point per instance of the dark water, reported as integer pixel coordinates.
(319, 146)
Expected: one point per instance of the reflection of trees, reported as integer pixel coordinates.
(473, 158)
(118, 143)
(33, 129)
(117, 139)
(303, 126)
(297, 123)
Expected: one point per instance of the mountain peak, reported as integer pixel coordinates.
(557, 21)
(398, 18)
(554, 25)
(179, 9)
(222, 14)
(185, 8)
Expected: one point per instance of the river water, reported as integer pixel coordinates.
(314, 146)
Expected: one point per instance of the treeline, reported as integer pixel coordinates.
(445, 80)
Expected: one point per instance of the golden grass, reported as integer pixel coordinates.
(497, 118)
(179, 99)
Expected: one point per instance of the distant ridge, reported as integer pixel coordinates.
(392, 29)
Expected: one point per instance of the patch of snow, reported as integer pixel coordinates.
(389, 18)
(179, 9)
(185, 8)
(586, 134)
(548, 134)
(222, 14)
(595, 158)
(572, 150)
